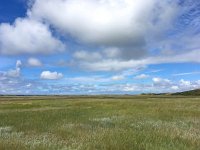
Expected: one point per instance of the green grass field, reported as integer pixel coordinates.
(100, 123)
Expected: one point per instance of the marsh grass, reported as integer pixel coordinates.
(89, 123)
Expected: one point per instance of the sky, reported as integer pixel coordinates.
(99, 46)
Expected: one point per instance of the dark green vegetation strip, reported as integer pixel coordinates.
(100, 122)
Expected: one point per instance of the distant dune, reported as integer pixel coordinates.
(195, 92)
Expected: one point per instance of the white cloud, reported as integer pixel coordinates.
(186, 73)
(161, 82)
(129, 88)
(124, 24)
(142, 76)
(18, 63)
(120, 33)
(29, 85)
(116, 64)
(15, 72)
(88, 79)
(51, 75)
(198, 82)
(34, 62)
(185, 83)
(112, 52)
(27, 36)
(117, 77)
(111, 21)
(155, 71)
(175, 88)
(112, 65)
(90, 84)
(87, 56)
(166, 85)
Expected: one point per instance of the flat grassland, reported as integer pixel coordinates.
(100, 123)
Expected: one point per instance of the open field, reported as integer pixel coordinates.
(100, 122)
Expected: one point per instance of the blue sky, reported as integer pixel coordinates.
(99, 46)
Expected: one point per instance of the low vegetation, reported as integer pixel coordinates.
(195, 92)
(161, 122)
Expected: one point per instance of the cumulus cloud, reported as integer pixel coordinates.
(34, 62)
(18, 63)
(113, 22)
(118, 35)
(166, 85)
(124, 24)
(185, 83)
(51, 75)
(90, 85)
(129, 88)
(175, 88)
(161, 82)
(125, 29)
(15, 72)
(29, 36)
